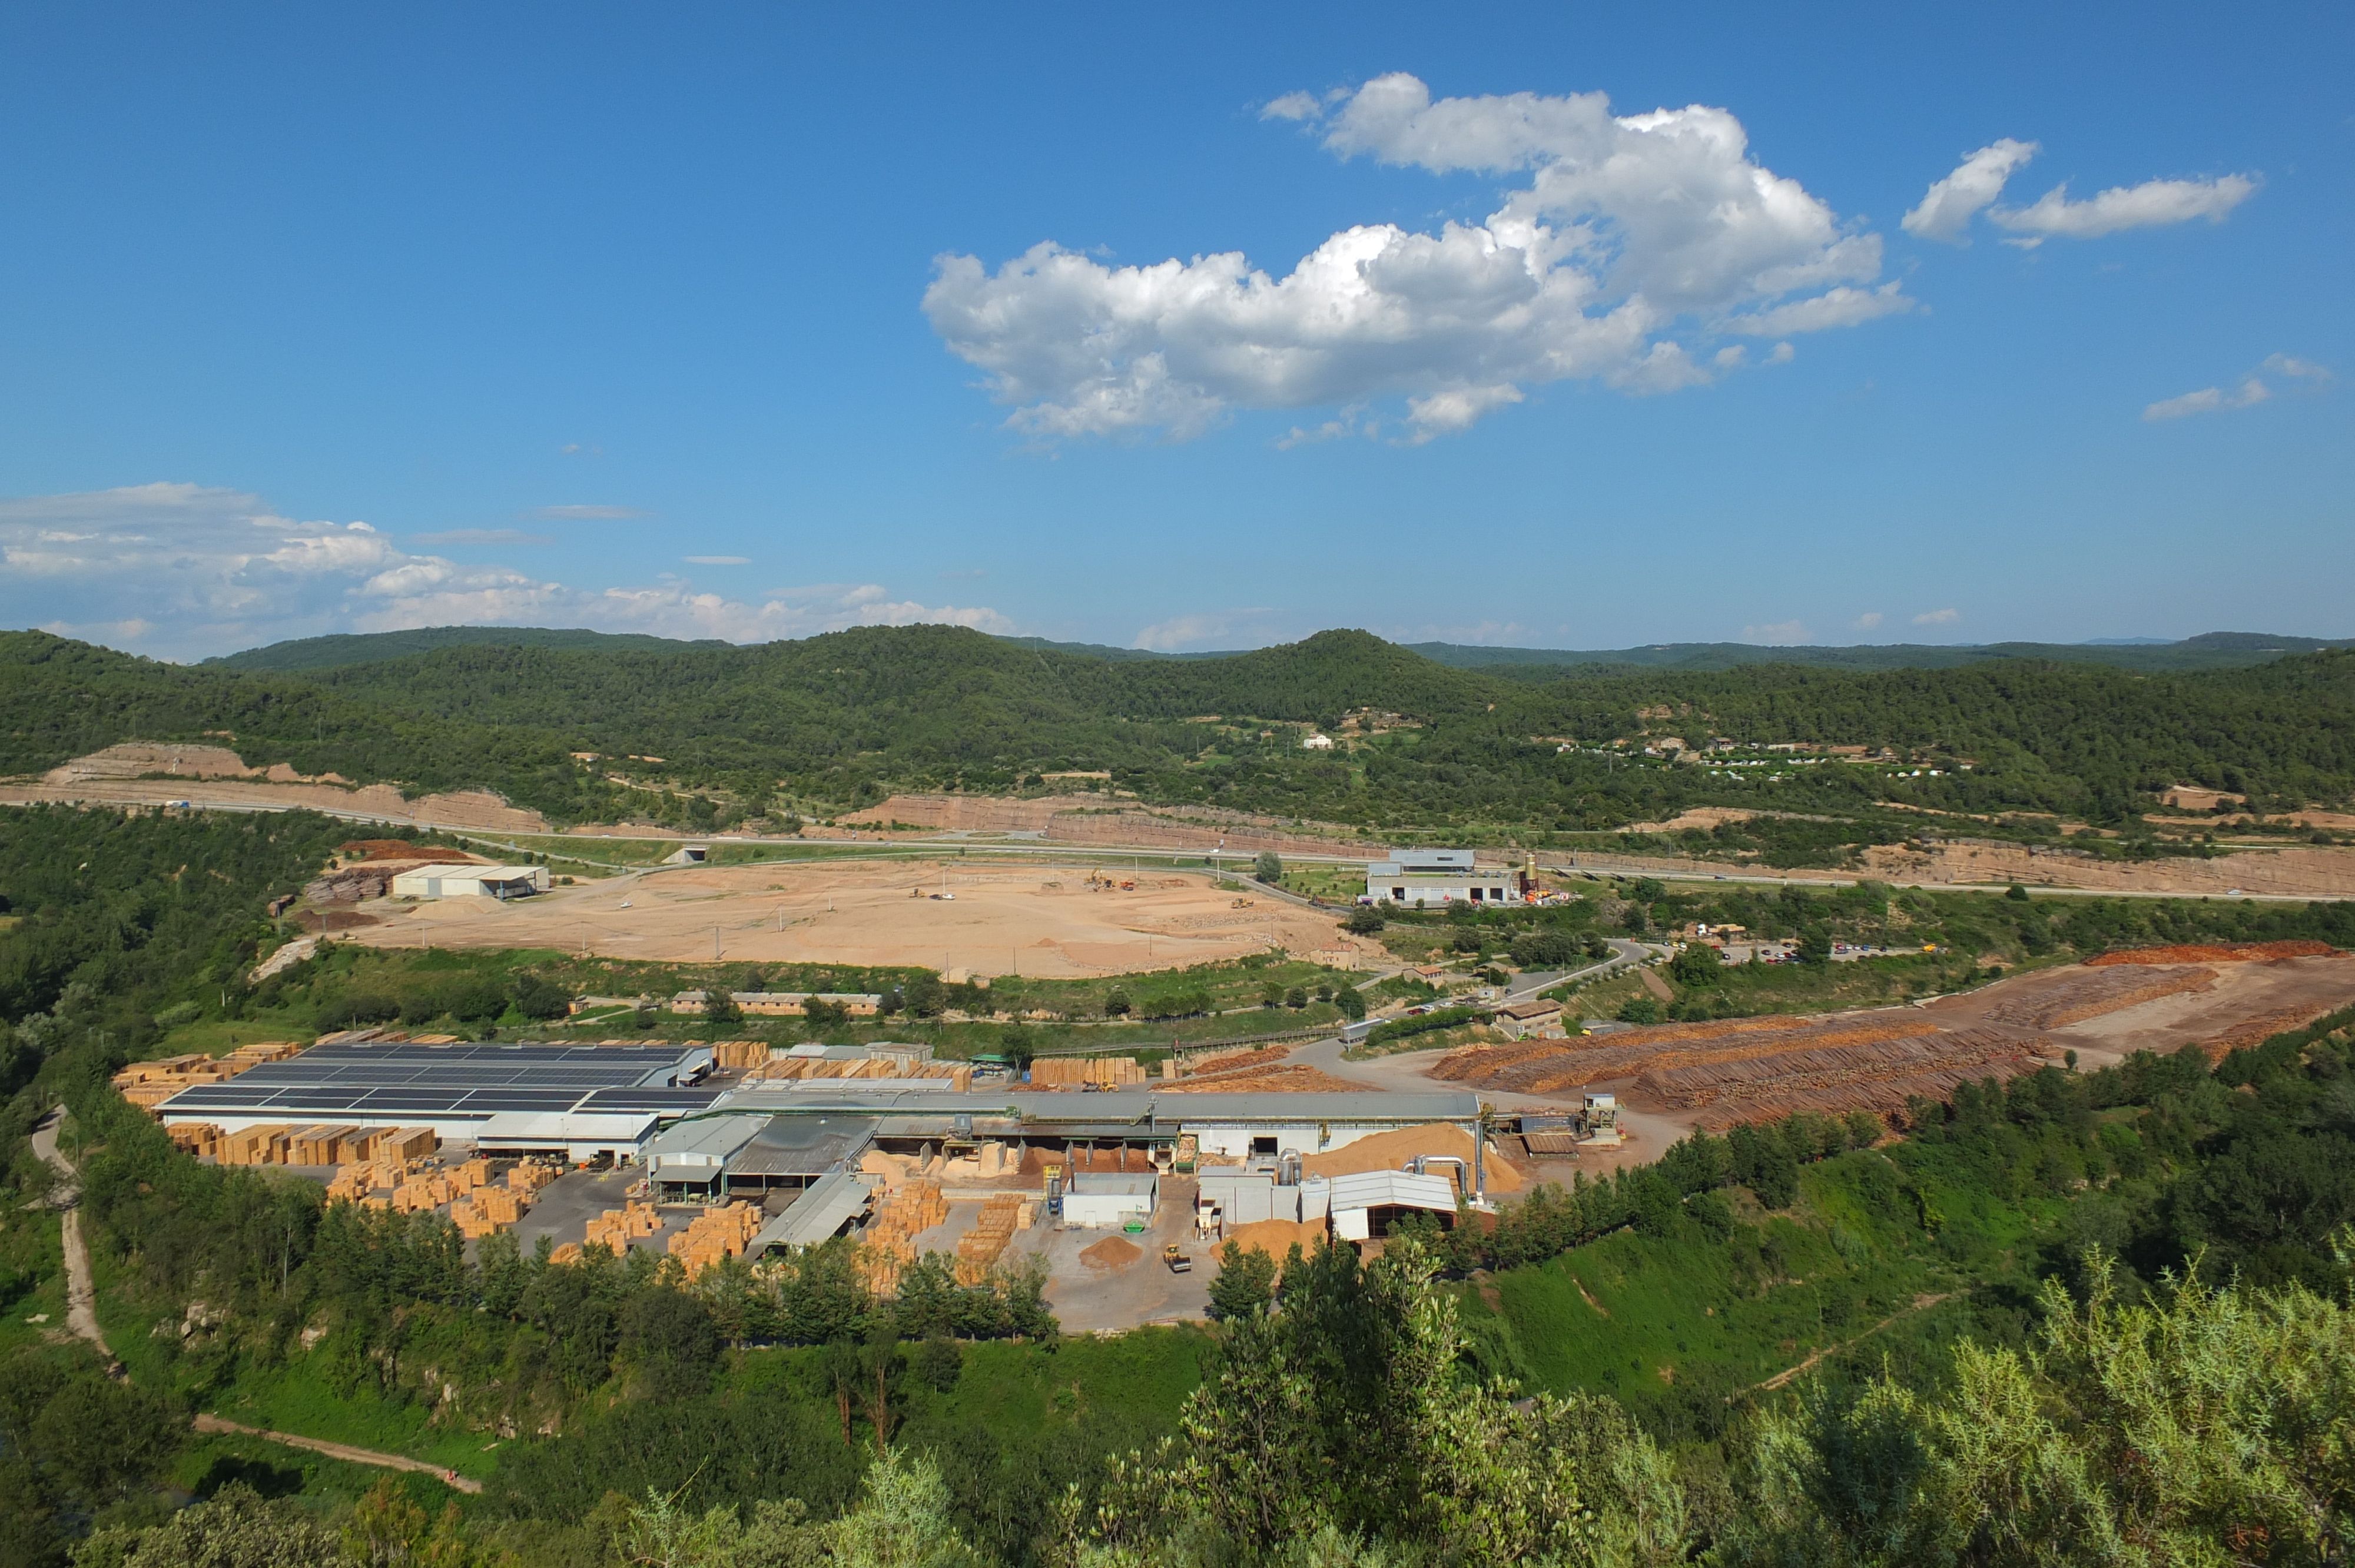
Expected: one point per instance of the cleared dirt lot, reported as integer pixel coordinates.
(1033, 920)
(1715, 1075)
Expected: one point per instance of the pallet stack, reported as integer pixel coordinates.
(958, 1074)
(978, 1251)
(713, 1235)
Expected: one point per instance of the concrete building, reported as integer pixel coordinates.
(470, 882)
(1418, 878)
(1110, 1199)
(784, 1003)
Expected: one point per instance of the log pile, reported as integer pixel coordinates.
(615, 1229)
(978, 1250)
(2090, 992)
(713, 1235)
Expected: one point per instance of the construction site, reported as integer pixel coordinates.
(985, 919)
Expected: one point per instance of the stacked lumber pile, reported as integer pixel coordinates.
(420, 1193)
(262, 1050)
(404, 1143)
(809, 1068)
(713, 1235)
(739, 1053)
(2217, 953)
(253, 1146)
(528, 1176)
(318, 1144)
(888, 1245)
(565, 1253)
(354, 1182)
(617, 1228)
(476, 1172)
(1082, 1072)
(2090, 992)
(486, 1210)
(978, 1250)
(197, 1137)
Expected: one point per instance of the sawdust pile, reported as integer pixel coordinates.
(1112, 1253)
(1392, 1151)
(1277, 1237)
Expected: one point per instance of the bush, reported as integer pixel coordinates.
(1639, 1010)
(1269, 867)
(1116, 1003)
(1351, 1001)
(1364, 920)
(1546, 950)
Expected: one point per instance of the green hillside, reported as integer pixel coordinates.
(2210, 651)
(358, 647)
(840, 720)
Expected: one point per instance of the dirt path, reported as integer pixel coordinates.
(1782, 1379)
(344, 1451)
(81, 1298)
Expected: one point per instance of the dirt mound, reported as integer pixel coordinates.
(1392, 1151)
(334, 919)
(1112, 1253)
(2219, 953)
(1277, 1237)
(402, 849)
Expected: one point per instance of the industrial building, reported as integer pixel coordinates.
(1421, 877)
(784, 1003)
(581, 1100)
(470, 882)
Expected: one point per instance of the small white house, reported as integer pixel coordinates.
(1316, 743)
(470, 882)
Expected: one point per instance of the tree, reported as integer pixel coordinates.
(903, 1520)
(1814, 947)
(1351, 1001)
(720, 1007)
(1269, 866)
(1116, 1003)
(1245, 1283)
(1639, 1010)
(1696, 963)
(1297, 998)
(1363, 921)
(236, 1529)
(2016, 892)
(670, 1341)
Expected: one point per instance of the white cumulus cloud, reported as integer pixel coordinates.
(1621, 238)
(1938, 617)
(1207, 628)
(186, 571)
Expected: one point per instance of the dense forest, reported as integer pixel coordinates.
(840, 720)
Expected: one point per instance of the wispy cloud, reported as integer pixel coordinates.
(1777, 633)
(184, 571)
(2252, 391)
(1948, 205)
(1182, 633)
(718, 560)
(484, 536)
(1939, 618)
(1870, 620)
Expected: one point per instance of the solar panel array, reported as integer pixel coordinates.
(441, 1081)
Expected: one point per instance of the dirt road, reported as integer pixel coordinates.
(343, 1451)
(81, 1298)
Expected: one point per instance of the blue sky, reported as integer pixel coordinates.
(720, 322)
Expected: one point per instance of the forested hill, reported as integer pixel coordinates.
(840, 718)
(308, 653)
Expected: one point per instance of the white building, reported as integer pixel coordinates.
(1316, 743)
(470, 882)
(1423, 877)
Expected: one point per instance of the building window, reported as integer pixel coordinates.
(1476, 895)
(1398, 895)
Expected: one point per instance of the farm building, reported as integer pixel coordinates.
(470, 882)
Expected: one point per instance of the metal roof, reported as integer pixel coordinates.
(1116, 1110)
(706, 1143)
(1393, 1189)
(822, 1211)
(804, 1146)
(466, 1082)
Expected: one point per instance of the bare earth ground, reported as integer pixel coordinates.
(1098, 819)
(1033, 920)
(215, 776)
(1715, 1075)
